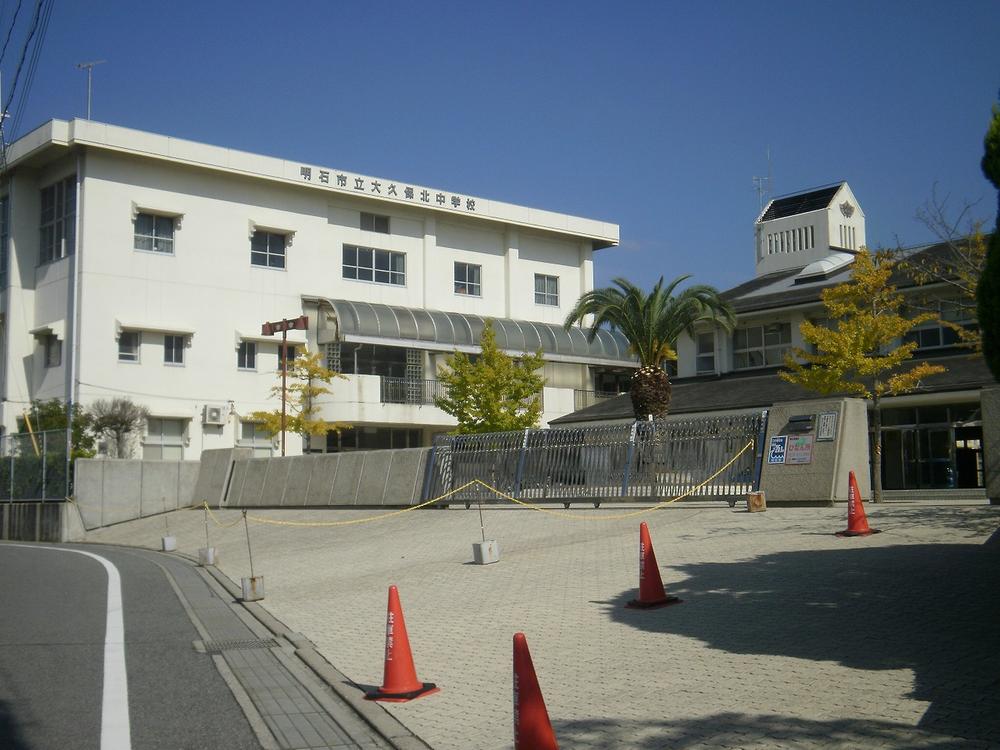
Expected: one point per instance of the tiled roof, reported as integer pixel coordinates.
(761, 389)
(779, 289)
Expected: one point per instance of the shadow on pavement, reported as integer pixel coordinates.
(735, 730)
(930, 608)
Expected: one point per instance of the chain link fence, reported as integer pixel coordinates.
(33, 466)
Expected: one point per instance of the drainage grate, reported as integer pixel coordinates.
(217, 647)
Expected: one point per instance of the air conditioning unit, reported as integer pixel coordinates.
(214, 415)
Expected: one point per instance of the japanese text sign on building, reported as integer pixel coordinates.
(800, 449)
(300, 323)
(826, 428)
(382, 189)
(776, 451)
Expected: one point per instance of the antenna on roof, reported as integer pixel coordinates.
(89, 67)
(764, 185)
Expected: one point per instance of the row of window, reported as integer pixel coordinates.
(791, 240)
(847, 237)
(766, 345)
(129, 343)
(267, 249)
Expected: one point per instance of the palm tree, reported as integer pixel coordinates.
(651, 324)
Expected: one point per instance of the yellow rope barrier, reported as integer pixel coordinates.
(497, 492)
(619, 516)
(350, 522)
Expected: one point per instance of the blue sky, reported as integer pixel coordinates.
(653, 115)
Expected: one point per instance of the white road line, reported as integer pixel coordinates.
(115, 728)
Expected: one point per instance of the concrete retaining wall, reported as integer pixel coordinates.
(109, 491)
(389, 477)
(32, 521)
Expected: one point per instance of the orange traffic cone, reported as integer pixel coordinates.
(857, 521)
(532, 728)
(399, 681)
(651, 591)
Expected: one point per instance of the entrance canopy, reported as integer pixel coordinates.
(449, 331)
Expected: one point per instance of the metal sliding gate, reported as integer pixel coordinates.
(651, 461)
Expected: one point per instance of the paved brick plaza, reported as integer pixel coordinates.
(788, 636)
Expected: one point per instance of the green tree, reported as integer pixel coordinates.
(859, 352)
(988, 292)
(493, 392)
(45, 416)
(119, 420)
(305, 382)
(651, 324)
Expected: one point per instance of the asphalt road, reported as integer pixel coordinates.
(53, 613)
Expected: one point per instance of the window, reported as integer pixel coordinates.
(761, 346)
(53, 350)
(375, 223)
(173, 350)
(253, 436)
(286, 355)
(128, 346)
(58, 225)
(379, 266)
(267, 249)
(154, 233)
(164, 438)
(246, 357)
(468, 279)
(546, 290)
(705, 359)
(940, 333)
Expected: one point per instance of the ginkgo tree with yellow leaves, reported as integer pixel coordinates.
(860, 350)
(305, 381)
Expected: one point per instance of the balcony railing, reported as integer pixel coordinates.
(583, 399)
(408, 391)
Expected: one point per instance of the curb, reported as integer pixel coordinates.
(385, 724)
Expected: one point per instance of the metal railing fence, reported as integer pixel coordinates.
(622, 462)
(409, 391)
(33, 466)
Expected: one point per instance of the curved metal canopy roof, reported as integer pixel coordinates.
(450, 329)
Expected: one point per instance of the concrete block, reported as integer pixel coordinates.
(276, 480)
(158, 487)
(214, 472)
(121, 490)
(823, 480)
(345, 487)
(324, 473)
(88, 490)
(297, 484)
(405, 482)
(374, 476)
(253, 482)
(234, 492)
(187, 477)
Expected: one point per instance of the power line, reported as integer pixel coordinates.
(24, 53)
(10, 31)
(32, 67)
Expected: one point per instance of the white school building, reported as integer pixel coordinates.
(139, 265)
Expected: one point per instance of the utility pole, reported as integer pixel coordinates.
(89, 67)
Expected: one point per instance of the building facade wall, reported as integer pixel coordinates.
(208, 292)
